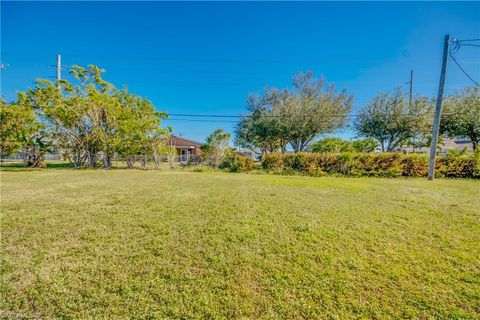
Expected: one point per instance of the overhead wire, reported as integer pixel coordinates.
(463, 70)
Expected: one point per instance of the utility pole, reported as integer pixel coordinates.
(411, 88)
(59, 69)
(410, 102)
(438, 111)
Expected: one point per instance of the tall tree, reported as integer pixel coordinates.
(139, 129)
(461, 115)
(264, 128)
(392, 120)
(92, 118)
(294, 116)
(317, 109)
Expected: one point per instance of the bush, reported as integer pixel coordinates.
(380, 164)
(237, 162)
(415, 165)
(272, 162)
(459, 165)
(301, 161)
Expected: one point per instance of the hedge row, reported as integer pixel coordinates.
(237, 162)
(459, 165)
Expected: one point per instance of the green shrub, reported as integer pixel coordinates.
(327, 162)
(385, 165)
(345, 163)
(460, 165)
(248, 164)
(237, 162)
(301, 161)
(415, 165)
(272, 161)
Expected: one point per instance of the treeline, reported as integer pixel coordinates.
(295, 117)
(89, 120)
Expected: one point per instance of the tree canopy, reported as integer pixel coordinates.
(461, 115)
(335, 145)
(294, 117)
(88, 119)
(392, 121)
(18, 125)
(216, 147)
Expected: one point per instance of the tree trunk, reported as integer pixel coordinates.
(77, 158)
(130, 161)
(91, 159)
(157, 159)
(295, 146)
(33, 158)
(107, 161)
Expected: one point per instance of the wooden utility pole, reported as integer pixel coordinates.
(411, 88)
(410, 100)
(59, 69)
(438, 111)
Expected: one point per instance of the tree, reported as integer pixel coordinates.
(139, 131)
(336, 145)
(364, 145)
(330, 145)
(216, 147)
(263, 129)
(294, 117)
(21, 131)
(392, 121)
(461, 115)
(16, 122)
(316, 109)
(73, 113)
(92, 119)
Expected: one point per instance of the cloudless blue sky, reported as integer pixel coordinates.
(207, 57)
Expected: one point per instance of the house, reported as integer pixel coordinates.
(447, 144)
(458, 143)
(187, 150)
(250, 154)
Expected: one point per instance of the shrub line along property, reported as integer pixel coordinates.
(454, 164)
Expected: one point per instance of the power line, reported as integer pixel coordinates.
(246, 116)
(465, 40)
(460, 67)
(261, 116)
(204, 115)
(469, 45)
(201, 120)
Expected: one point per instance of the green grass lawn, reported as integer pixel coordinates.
(164, 244)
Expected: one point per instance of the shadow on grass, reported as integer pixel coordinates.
(19, 166)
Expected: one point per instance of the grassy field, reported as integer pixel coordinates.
(146, 244)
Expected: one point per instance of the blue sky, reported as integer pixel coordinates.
(205, 58)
